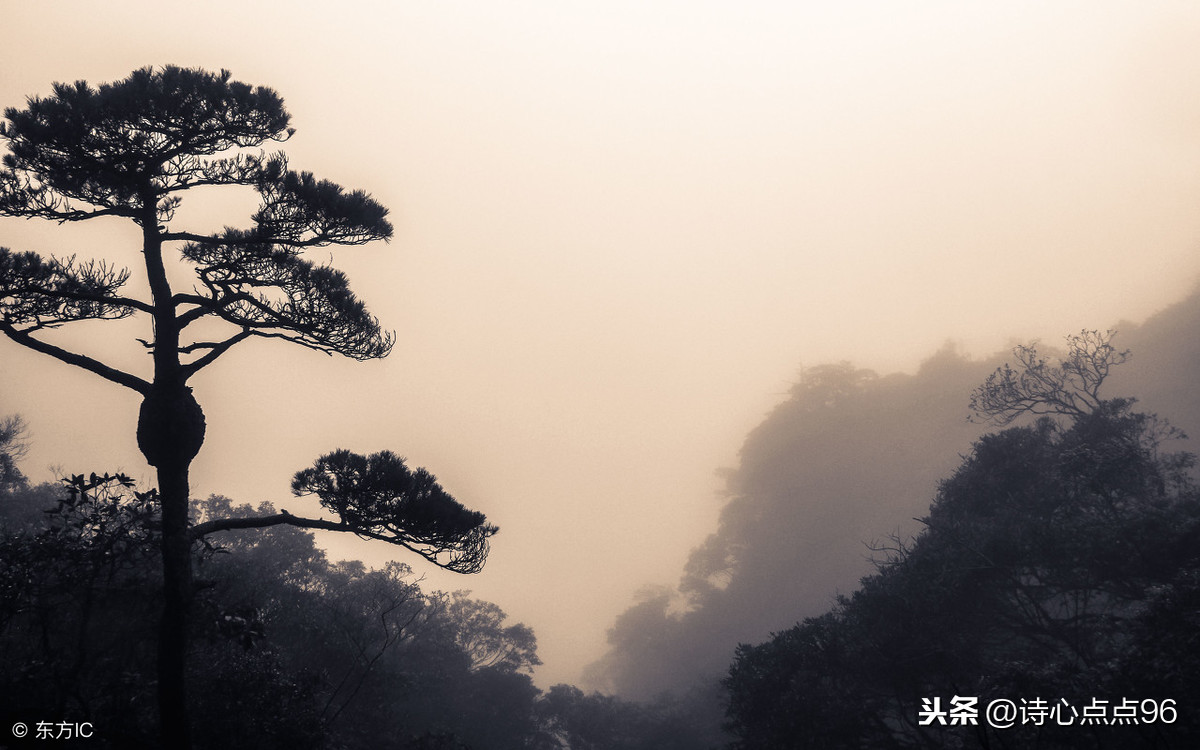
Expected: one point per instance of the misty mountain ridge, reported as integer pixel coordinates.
(849, 460)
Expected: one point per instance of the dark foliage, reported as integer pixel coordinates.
(1035, 386)
(378, 496)
(79, 592)
(12, 448)
(1058, 562)
(290, 650)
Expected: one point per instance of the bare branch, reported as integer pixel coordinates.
(79, 360)
(1071, 388)
(217, 349)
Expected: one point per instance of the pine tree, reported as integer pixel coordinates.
(131, 149)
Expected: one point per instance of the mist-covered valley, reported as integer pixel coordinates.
(849, 460)
(835, 479)
(655, 330)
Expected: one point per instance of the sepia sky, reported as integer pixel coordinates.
(623, 227)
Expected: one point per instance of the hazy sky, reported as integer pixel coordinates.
(621, 228)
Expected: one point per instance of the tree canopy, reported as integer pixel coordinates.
(1035, 386)
(378, 497)
(130, 149)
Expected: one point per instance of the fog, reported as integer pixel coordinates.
(623, 230)
(832, 480)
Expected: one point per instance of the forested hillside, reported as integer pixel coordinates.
(834, 485)
(851, 458)
(1049, 600)
(291, 650)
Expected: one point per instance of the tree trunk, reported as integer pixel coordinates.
(177, 596)
(170, 433)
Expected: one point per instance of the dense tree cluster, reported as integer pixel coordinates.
(291, 650)
(1061, 561)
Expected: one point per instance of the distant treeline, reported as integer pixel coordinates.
(841, 469)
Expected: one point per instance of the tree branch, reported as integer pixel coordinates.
(217, 350)
(79, 360)
(134, 304)
(202, 239)
(202, 530)
(204, 306)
